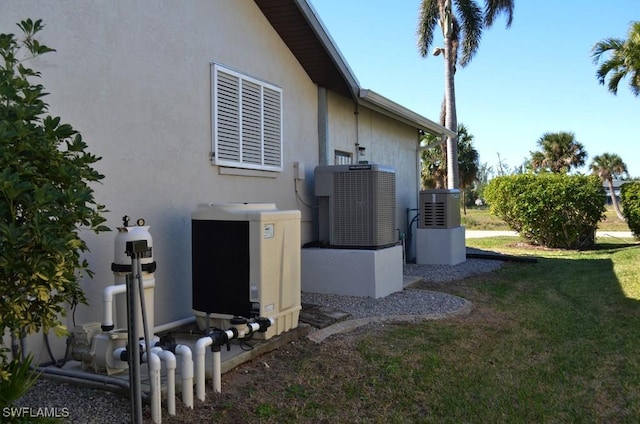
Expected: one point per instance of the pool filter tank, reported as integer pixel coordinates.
(121, 266)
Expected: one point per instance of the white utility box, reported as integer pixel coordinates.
(246, 262)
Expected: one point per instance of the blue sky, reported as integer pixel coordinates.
(536, 77)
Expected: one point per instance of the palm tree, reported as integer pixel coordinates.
(434, 167)
(608, 167)
(462, 27)
(559, 153)
(623, 61)
(469, 162)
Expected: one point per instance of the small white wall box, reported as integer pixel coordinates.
(246, 262)
(439, 208)
(357, 205)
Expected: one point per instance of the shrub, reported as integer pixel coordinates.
(630, 197)
(22, 378)
(552, 210)
(46, 198)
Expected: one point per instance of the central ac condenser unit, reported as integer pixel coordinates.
(357, 205)
(439, 208)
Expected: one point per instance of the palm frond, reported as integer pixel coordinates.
(634, 83)
(604, 46)
(427, 22)
(493, 8)
(614, 80)
(471, 24)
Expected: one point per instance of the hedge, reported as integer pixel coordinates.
(551, 210)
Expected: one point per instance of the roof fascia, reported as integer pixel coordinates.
(379, 103)
(321, 32)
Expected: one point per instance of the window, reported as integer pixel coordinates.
(341, 158)
(247, 121)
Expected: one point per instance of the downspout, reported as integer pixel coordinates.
(356, 112)
(324, 148)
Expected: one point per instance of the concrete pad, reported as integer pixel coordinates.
(352, 272)
(440, 246)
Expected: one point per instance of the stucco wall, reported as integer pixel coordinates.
(387, 142)
(134, 79)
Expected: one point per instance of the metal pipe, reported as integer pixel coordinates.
(134, 356)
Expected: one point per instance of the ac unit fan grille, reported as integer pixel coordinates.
(363, 208)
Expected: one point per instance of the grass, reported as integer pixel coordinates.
(481, 219)
(554, 341)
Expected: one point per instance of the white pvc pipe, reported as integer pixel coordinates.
(108, 295)
(200, 351)
(170, 362)
(186, 371)
(154, 382)
(117, 353)
(217, 374)
(173, 324)
(216, 371)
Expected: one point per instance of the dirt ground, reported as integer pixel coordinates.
(264, 380)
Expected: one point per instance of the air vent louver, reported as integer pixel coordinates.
(439, 209)
(359, 209)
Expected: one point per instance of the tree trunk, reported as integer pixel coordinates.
(614, 200)
(451, 120)
(464, 202)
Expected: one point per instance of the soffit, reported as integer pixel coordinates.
(303, 39)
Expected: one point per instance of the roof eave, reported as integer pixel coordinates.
(321, 32)
(379, 103)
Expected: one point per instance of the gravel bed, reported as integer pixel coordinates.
(75, 404)
(87, 405)
(444, 273)
(409, 301)
(406, 302)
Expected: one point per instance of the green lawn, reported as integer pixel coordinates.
(481, 219)
(556, 341)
